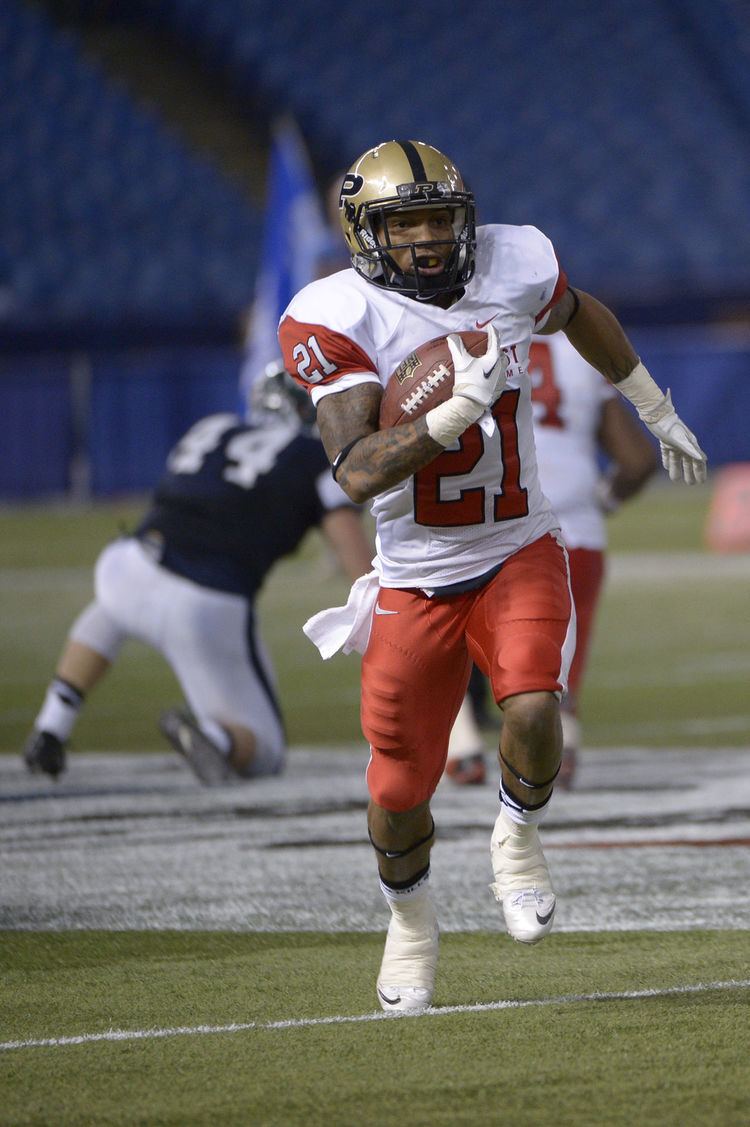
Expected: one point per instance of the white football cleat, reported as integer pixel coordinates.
(522, 880)
(406, 980)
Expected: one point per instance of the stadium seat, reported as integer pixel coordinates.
(106, 215)
(636, 163)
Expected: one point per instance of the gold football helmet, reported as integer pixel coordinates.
(395, 176)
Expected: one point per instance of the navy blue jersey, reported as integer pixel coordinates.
(235, 499)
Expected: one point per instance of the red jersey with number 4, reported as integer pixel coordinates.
(568, 397)
(480, 500)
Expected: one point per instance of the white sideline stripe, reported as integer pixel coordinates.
(342, 1019)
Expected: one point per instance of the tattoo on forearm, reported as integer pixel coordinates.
(379, 459)
(389, 456)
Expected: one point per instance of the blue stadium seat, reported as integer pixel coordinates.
(624, 132)
(106, 215)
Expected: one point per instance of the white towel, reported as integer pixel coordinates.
(346, 628)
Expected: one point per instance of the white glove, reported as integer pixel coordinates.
(681, 455)
(478, 382)
(479, 378)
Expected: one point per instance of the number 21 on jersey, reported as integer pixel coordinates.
(305, 355)
(469, 508)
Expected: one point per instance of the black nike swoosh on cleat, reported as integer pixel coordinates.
(548, 917)
(389, 1001)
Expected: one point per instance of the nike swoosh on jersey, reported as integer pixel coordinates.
(379, 610)
(481, 324)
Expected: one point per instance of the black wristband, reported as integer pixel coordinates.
(345, 450)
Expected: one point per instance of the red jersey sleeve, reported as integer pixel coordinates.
(316, 356)
(561, 286)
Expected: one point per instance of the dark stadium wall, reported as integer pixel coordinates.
(103, 422)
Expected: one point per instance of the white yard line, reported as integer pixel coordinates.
(358, 1019)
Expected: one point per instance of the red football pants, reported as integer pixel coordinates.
(519, 629)
(586, 578)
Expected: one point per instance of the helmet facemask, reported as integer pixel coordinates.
(459, 265)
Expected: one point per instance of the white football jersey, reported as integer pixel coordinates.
(567, 397)
(480, 500)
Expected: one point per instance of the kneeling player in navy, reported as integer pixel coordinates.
(234, 499)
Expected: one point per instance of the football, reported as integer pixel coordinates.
(424, 379)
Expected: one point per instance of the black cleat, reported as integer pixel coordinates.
(204, 757)
(44, 753)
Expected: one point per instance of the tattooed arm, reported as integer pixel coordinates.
(379, 458)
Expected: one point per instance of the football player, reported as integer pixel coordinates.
(470, 562)
(234, 499)
(577, 416)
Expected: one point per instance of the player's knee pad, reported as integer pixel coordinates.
(530, 661)
(94, 628)
(396, 784)
(381, 713)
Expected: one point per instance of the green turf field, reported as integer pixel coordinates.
(669, 663)
(277, 1029)
(573, 1057)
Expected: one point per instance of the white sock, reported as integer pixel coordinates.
(59, 712)
(519, 814)
(401, 896)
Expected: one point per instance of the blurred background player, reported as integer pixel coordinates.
(579, 422)
(234, 499)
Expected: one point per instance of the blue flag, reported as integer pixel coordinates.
(295, 239)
